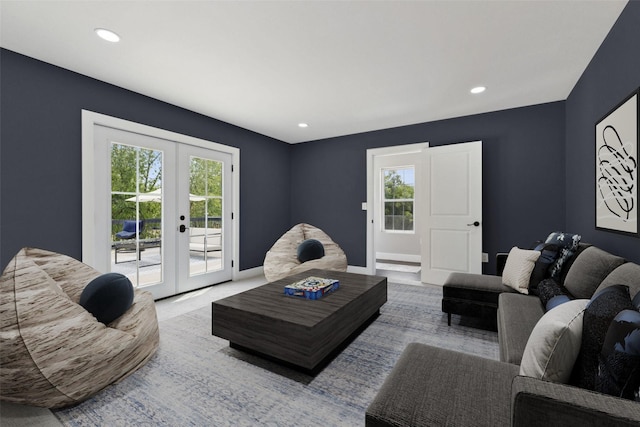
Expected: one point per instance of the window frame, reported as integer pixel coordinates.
(384, 200)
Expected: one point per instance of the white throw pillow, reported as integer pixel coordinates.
(518, 268)
(554, 344)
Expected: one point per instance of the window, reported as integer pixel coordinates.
(398, 198)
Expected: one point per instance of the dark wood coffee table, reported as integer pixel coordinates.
(303, 333)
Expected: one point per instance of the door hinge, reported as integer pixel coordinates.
(232, 168)
(231, 263)
(231, 215)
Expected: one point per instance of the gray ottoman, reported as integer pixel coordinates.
(474, 295)
(430, 386)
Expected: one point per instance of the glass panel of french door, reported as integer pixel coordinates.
(204, 180)
(133, 204)
(136, 213)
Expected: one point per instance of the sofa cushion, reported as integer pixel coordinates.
(517, 316)
(619, 364)
(554, 344)
(588, 270)
(627, 274)
(600, 311)
(517, 270)
(568, 244)
(427, 388)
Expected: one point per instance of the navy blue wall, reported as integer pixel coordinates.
(40, 173)
(614, 72)
(523, 176)
(538, 161)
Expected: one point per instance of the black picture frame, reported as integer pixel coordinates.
(617, 146)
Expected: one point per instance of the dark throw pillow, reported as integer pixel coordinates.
(600, 311)
(548, 289)
(310, 249)
(619, 369)
(542, 269)
(107, 297)
(568, 245)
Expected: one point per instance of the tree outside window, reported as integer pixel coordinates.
(399, 187)
(135, 171)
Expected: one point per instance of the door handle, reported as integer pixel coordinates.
(475, 223)
(182, 228)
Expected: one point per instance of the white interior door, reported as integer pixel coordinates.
(452, 235)
(204, 217)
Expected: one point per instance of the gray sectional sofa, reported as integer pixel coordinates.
(431, 386)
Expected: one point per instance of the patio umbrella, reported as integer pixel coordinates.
(156, 196)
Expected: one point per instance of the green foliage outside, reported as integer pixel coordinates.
(398, 206)
(206, 181)
(136, 170)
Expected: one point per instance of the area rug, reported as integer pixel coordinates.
(195, 379)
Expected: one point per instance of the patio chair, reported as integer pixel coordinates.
(129, 229)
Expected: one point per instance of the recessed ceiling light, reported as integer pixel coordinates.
(478, 89)
(303, 125)
(107, 35)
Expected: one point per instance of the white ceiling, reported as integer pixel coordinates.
(343, 67)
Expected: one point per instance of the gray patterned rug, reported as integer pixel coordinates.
(195, 379)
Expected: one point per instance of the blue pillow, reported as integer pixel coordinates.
(619, 368)
(548, 289)
(310, 249)
(107, 297)
(556, 301)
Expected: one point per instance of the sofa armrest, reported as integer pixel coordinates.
(540, 403)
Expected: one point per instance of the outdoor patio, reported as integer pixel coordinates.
(149, 268)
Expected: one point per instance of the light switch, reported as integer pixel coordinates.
(364, 206)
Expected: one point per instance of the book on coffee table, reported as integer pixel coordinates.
(312, 287)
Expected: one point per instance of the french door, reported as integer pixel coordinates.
(162, 211)
(204, 217)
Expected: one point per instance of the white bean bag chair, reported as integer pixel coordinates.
(282, 259)
(54, 353)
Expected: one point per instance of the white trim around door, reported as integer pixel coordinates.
(372, 209)
(91, 121)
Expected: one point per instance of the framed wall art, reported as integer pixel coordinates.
(617, 149)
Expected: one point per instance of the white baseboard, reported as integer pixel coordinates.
(398, 257)
(357, 269)
(259, 271)
(249, 273)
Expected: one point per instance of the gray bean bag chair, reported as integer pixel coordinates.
(53, 352)
(282, 259)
